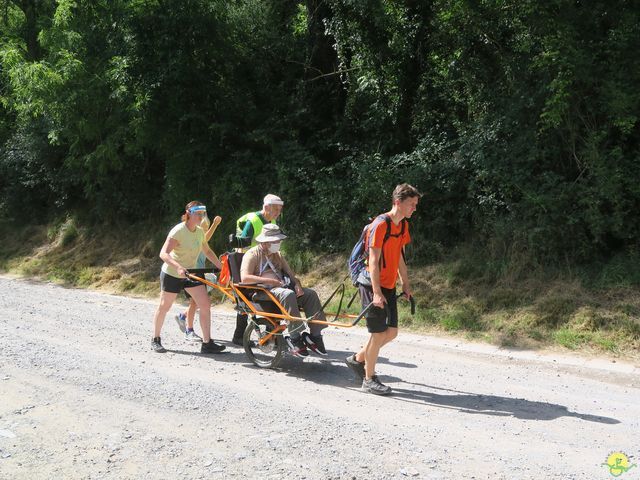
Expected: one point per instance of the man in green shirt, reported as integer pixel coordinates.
(248, 227)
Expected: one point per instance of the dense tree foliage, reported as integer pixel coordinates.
(518, 120)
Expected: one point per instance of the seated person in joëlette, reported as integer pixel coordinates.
(265, 265)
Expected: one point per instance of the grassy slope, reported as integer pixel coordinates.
(114, 260)
(522, 307)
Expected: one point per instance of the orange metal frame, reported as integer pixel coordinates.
(234, 293)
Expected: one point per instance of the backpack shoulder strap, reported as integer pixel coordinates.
(387, 220)
(366, 231)
(404, 223)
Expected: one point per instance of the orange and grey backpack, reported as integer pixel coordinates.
(360, 253)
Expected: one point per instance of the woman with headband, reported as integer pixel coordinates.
(180, 253)
(185, 320)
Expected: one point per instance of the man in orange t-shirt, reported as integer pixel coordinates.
(386, 238)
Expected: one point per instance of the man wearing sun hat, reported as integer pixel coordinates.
(264, 264)
(248, 227)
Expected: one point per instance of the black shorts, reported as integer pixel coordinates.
(171, 284)
(377, 321)
(198, 272)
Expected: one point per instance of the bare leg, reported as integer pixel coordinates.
(371, 350)
(191, 313)
(360, 355)
(199, 295)
(166, 300)
(371, 353)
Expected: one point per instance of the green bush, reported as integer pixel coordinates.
(519, 121)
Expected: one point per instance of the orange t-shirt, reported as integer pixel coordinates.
(392, 249)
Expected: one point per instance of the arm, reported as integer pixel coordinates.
(212, 228)
(247, 276)
(247, 231)
(271, 282)
(374, 272)
(296, 282)
(169, 245)
(211, 255)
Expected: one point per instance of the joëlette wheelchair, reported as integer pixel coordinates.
(263, 339)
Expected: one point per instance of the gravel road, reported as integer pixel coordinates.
(83, 396)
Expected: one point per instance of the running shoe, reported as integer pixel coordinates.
(191, 336)
(297, 347)
(373, 385)
(314, 343)
(356, 366)
(181, 320)
(211, 347)
(156, 345)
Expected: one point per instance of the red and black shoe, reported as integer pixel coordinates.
(314, 343)
(297, 347)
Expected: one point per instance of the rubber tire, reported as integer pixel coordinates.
(279, 347)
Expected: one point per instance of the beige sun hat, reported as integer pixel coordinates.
(270, 233)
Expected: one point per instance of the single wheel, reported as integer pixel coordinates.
(268, 355)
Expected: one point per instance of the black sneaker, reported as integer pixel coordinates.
(356, 366)
(373, 385)
(297, 347)
(211, 347)
(156, 345)
(315, 343)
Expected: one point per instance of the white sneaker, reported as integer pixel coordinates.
(192, 337)
(181, 320)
